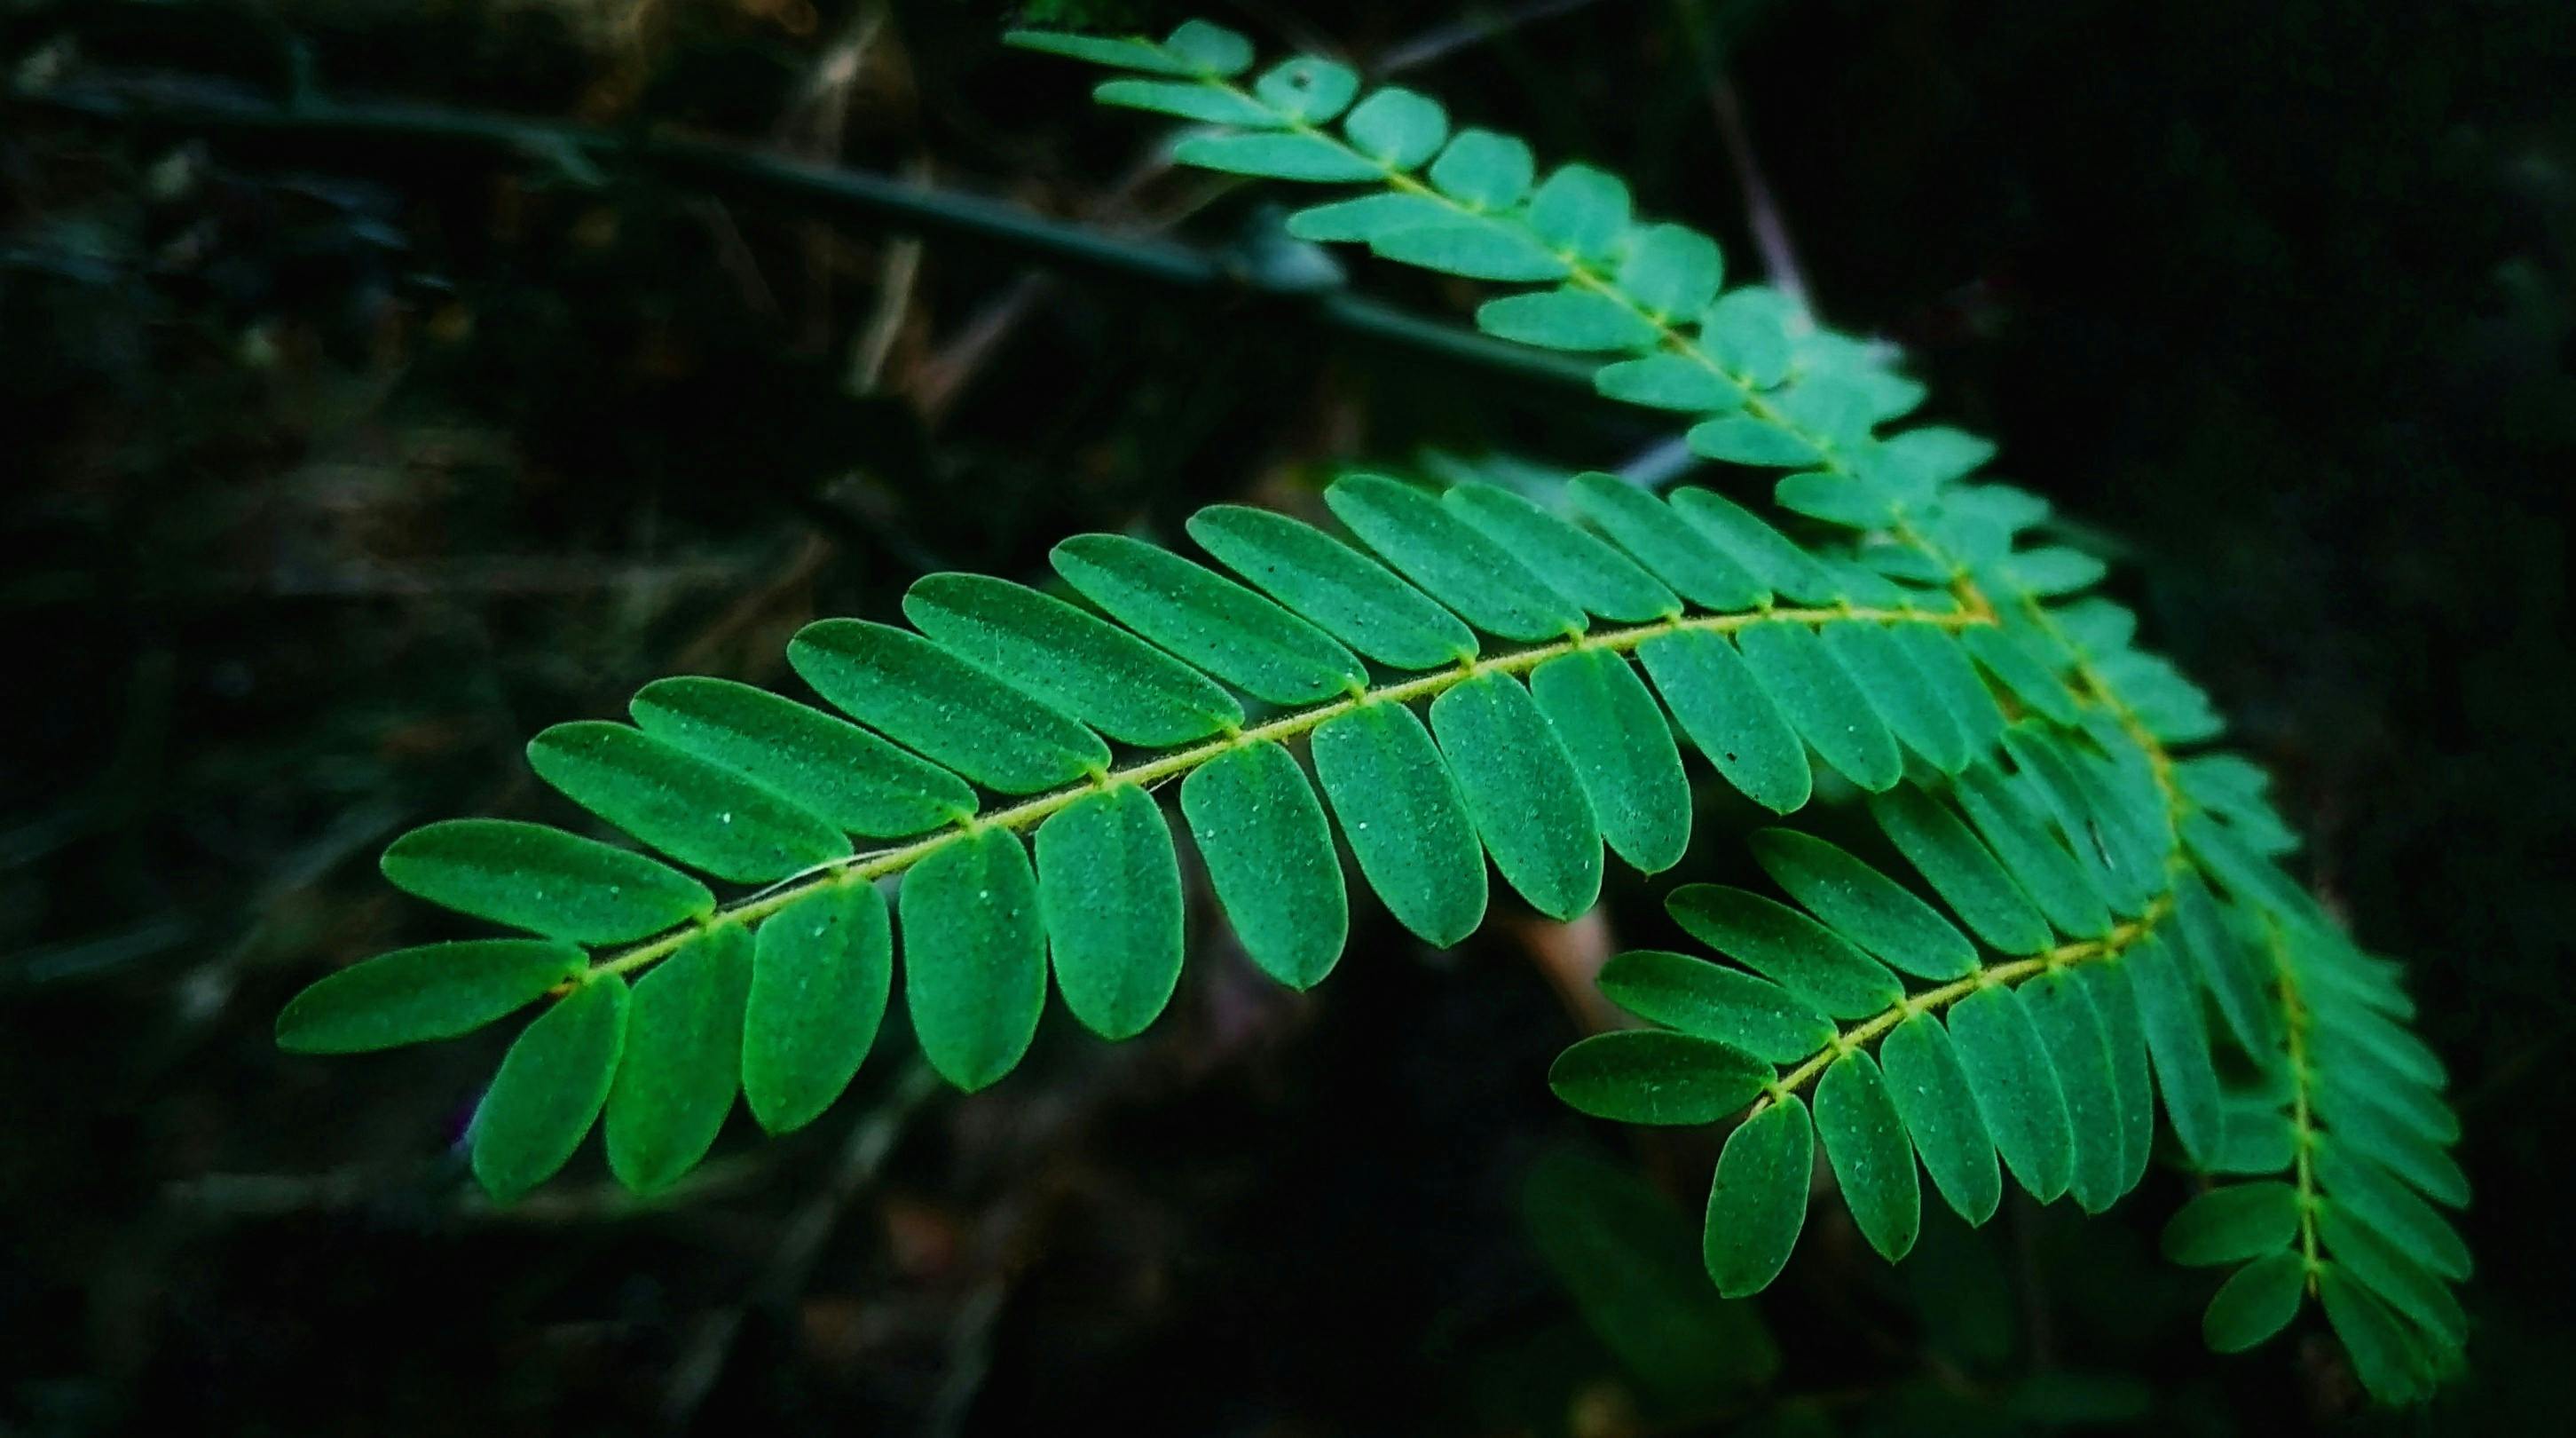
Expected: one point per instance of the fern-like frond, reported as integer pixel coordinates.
(1870, 1013)
(1760, 382)
(2081, 857)
(2100, 932)
(1006, 713)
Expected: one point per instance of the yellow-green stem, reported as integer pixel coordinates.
(1868, 1030)
(1145, 773)
(2294, 1022)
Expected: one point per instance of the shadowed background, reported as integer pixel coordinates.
(341, 457)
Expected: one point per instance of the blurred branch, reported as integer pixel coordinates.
(588, 155)
(1475, 27)
(1712, 41)
(863, 1156)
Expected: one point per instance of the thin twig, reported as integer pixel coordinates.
(1474, 28)
(863, 1157)
(588, 154)
(1761, 212)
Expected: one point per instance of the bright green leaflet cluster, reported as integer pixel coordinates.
(1545, 653)
(2111, 927)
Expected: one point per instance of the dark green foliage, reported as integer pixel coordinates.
(975, 970)
(688, 1015)
(436, 991)
(550, 1088)
(1109, 890)
(820, 972)
(2099, 897)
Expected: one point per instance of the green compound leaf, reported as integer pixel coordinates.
(1452, 561)
(1402, 814)
(1930, 1090)
(1109, 893)
(974, 956)
(820, 972)
(2233, 1224)
(943, 707)
(1865, 1141)
(1015, 690)
(1786, 946)
(1960, 869)
(1219, 625)
(2071, 1030)
(1826, 707)
(1270, 857)
(2074, 826)
(1729, 716)
(2017, 1089)
(1715, 1002)
(1568, 560)
(848, 777)
(1623, 752)
(543, 880)
(550, 1089)
(435, 991)
(2254, 1303)
(1649, 1076)
(1352, 597)
(1677, 554)
(1094, 671)
(1522, 793)
(704, 816)
(682, 1061)
(1864, 905)
(1759, 1200)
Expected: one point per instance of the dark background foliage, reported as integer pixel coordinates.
(339, 462)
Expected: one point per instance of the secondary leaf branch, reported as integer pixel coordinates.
(1148, 772)
(2004, 975)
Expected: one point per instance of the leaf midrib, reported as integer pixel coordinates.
(1149, 772)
